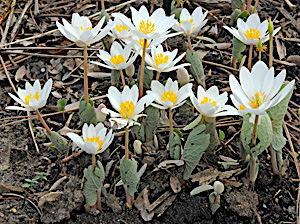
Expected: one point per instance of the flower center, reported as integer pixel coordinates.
(170, 96)
(121, 28)
(252, 34)
(127, 109)
(257, 100)
(95, 139)
(141, 43)
(27, 98)
(147, 27)
(191, 21)
(88, 28)
(160, 58)
(207, 100)
(117, 59)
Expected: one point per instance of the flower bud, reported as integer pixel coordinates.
(183, 76)
(259, 45)
(270, 27)
(218, 187)
(130, 70)
(101, 117)
(137, 145)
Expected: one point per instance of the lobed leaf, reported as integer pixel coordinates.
(196, 67)
(59, 142)
(129, 174)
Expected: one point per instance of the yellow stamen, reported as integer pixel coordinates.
(257, 100)
(242, 107)
(252, 34)
(191, 21)
(95, 139)
(127, 109)
(159, 59)
(121, 28)
(263, 49)
(141, 43)
(117, 59)
(88, 28)
(27, 98)
(206, 100)
(147, 27)
(170, 96)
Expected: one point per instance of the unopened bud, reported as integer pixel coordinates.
(183, 76)
(137, 145)
(270, 27)
(106, 186)
(218, 187)
(101, 117)
(130, 70)
(259, 45)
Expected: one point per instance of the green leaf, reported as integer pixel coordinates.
(236, 4)
(92, 180)
(59, 142)
(26, 185)
(195, 146)
(244, 15)
(129, 174)
(234, 15)
(29, 180)
(212, 202)
(221, 135)
(149, 124)
(238, 48)
(174, 145)
(202, 188)
(148, 76)
(61, 104)
(196, 67)
(87, 112)
(115, 77)
(193, 124)
(264, 135)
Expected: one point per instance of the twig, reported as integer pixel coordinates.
(7, 75)
(255, 6)
(50, 55)
(75, 154)
(291, 5)
(32, 133)
(219, 65)
(8, 22)
(36, 7)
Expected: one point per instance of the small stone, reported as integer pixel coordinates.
(276, 200)
(14, 210)
(231, 130)
(43, 70)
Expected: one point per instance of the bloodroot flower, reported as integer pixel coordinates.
(127, 105)
(252, 30)
(210, 104)
(259, 89)
(169, 96)
(94, 139)
(81, 31)
(33, 97)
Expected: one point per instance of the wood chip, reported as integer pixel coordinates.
(165, 205)
(209, 175)
(52, 196)
(281, 49)
(163, 197)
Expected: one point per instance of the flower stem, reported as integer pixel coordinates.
(259, 55)
(252, 169)
(248, 5)
(178, 3)
(142, 69)
(244, 4)
(86, 91)
(171, 120)
(94, 160)
(271, 52)
(43, 122)
(254, 133)
(102, 5)
(129, 198)
(190, 43)
(157, 75)
(250, 57)
(255, 6)
(126, 143)
(274, 160)
(122, 77)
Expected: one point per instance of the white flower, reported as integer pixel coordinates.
(145, 26)
(118, 58)
(259, 90)
(191, 24)
(252, 30)
(120, 30)
(164, 61)
(94, 139)
(127, 105)
(210, 104)
(33, 97)
(81, 32)
(169, 96)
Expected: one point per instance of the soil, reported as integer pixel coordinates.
(272, 199)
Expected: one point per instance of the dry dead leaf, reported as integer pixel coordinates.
(66, 130)
(56, 94)
(52, 196)
(165, 205)
(175, 184)
(168, 162)
(142, 203)
(294, 59)
(158, 201)
(69, 64)
(20, 73)
(220, 46)
(4, 188)
(281, 49)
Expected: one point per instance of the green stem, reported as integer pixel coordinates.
(86, 91)
(141, 85)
